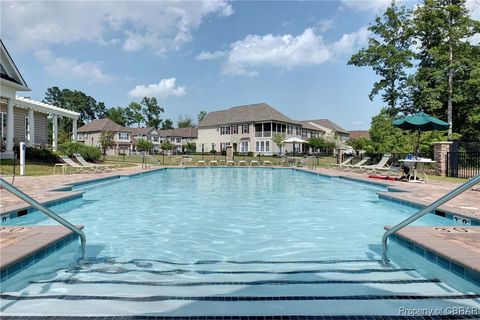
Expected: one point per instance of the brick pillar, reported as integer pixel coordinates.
(340, 153)
(440, 156)
(229, 153)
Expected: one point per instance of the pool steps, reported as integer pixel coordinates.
(248, 288)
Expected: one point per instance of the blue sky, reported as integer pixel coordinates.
(201, 55)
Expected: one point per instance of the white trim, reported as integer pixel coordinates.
(38, 106)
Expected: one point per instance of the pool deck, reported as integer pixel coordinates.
(17, 243)
(461, 247)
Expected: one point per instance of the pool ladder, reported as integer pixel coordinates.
(35, 204)
(434, 205)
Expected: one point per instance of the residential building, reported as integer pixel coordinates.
(149, 133)
(23, 119)
(330, 128)
(359, 134)
(251, 128)
(122, 136)
(179, 137)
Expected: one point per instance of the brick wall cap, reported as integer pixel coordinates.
(442, 142)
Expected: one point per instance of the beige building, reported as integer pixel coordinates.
(179, 137)
(23, 119)
(251, 128)
(331, 129)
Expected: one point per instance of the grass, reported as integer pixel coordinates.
(175, 159)
(447, 179)
(33, 168)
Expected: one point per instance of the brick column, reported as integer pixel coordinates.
(440, 156)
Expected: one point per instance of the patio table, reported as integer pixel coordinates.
(414, 164)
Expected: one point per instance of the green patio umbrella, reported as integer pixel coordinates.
(421, 122)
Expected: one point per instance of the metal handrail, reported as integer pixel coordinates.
(15, 191)
(452, 194)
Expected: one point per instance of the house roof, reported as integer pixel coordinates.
(142, 131)
(102, 125)
(180, 132)
(308, 125)
(359, 134)
(328, 124)
(9, 71)
(247, 113)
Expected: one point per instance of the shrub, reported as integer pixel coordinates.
(89, 153)
(41, 154)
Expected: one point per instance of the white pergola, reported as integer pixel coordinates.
(37, 106)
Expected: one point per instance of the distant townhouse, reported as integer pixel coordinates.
(122, 136)
(329, 127)
(179, 137)
(149, 133)
(251, 128)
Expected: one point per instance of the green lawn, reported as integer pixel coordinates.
(35, 168)
(175, 159)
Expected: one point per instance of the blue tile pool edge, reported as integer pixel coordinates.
(441, 261)
(26, 262)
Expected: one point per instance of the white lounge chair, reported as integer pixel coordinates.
(254, 163)
(201, 163)
(230, 163)
(267, 163)
(357, 165)
(87, 164)
(381, 165)
(242, 163)
(69, 163)
(213, 162)
(343, 164)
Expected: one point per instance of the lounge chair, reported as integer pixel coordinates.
(201, 163)
(254, 163)
(69, 163)
(381, 165)
(242, 163)
(230, 163)
(87, 164)
(213, 162)
(357, 165)
(267, 163)
(343, 164)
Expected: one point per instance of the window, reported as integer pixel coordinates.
(267, 146)
(234, 129)
(224, 130)
(244, 146)
(222, 146)
(3, 123)
(155, 138)
(257, 146)
(179, 140)
(297, 131)
(262, 146)
(27, 129)
(289, 130)
(123, 136)
(245, 128)
(213, 146)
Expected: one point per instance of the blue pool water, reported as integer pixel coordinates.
(184, 239)
(232, 214)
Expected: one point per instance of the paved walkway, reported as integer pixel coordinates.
(467, 204)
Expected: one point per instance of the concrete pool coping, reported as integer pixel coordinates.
(58, 190)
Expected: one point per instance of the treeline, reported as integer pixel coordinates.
(427, 59)
(145, 113)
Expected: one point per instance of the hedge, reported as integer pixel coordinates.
(89, 153)
(41, 154)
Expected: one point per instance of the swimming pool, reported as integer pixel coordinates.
(192, 241)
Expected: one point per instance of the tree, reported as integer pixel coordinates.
(106, 141)
(167, 124)
(189, 147)
(389, 54)
(278, 140)
(117, 115)
(152, 111)
(185, 122)
(201, 115)
(144, 145)
(134, 114)
(317, 143)
(360, 143)
(447, 62)
(166, 146)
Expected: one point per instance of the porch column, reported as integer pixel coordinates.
(74, 130)
(31, 128)
(55, 132)
(10, 124)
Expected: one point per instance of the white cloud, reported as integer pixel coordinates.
(474, 8)
(366, 5)
(71, 68)
(283, 52)
(325, 25)
(156, 25)
(205, 55)
(163, 89)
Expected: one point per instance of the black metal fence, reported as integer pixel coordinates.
(463, 164)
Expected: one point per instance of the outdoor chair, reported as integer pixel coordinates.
(69, 163)
(254, 163)
(230, 163)
(343, 164)
(87, 164)
(213, 162)
(242, 163)
(201, 163)
(357, 165)
(267, 163)
(381, 165)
